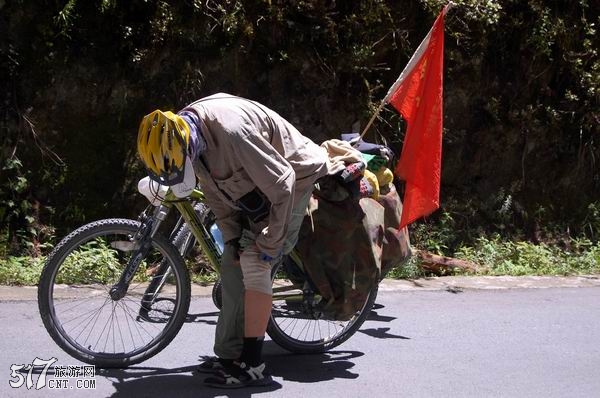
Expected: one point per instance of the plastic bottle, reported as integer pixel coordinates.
(152, 190)
(217, 236)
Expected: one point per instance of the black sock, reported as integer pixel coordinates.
(252, 351)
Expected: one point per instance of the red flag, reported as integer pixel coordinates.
(417, 95)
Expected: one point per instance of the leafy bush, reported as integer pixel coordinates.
(409, 270)
(524, 258)
(20, 270)
(94, 261)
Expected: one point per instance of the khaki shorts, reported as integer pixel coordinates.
(256, 272)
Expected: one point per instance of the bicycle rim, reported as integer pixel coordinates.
(78, 311)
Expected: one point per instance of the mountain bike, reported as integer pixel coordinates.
(116, 292)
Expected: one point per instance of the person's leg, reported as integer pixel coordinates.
(258, 299)
(249, 370)
(258, 303)
(230, 325)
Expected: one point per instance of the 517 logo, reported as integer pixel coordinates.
(16, 372)
(65, 377)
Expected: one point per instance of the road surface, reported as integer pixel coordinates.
(444, 343)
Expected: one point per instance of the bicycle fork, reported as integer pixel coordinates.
(141, 245)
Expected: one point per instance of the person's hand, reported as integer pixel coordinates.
(265, 257)
(269, 259)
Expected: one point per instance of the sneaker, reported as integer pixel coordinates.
(240, 375)
(210, 365)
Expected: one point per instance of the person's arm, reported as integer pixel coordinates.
(275, 177)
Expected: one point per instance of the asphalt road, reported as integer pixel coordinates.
(474, 343)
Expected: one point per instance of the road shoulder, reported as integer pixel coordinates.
(448, 283)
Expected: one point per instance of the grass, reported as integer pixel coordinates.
(21, 270)
(524, 258)
(82, 266)
(496, 256)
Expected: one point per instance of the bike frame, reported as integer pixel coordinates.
(299, 320)
(203, 237)
(205, 240)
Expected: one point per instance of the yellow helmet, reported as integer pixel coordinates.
(162, 144)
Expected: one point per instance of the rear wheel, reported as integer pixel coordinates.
(217, 294)
(301, 328)
(83, 318)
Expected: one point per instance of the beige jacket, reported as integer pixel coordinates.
(249, 146)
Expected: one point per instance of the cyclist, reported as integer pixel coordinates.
(257, 173)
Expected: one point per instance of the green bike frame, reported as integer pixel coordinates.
(207, 244)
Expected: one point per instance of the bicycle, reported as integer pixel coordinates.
(116, 292)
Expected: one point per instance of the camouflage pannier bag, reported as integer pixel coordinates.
(348, 245)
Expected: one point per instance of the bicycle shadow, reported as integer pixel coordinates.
(380, 332)
(284, 366)
(184, 382)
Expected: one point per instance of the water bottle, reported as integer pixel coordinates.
(218, 237)
(152, 190)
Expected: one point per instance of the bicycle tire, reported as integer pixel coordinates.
(52, 296)
(281, 326)
(217, 294)
(183, 242)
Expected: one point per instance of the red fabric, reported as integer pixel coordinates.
(419, 99)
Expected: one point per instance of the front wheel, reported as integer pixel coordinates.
(92, 325)
(301, 329)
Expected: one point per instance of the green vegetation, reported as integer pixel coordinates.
(95, 261)
(525, 258)
(521, 109)
(500, 248)
(494, 255)
(21, 270)
(497, 257)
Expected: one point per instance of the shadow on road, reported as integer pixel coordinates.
(184, 382)
(177, 382)
(310, 368)
(380, 333)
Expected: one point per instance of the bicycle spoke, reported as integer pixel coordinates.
(85, 301)
(130, 317)
(80, 315)
(92, 315)
(93, 326)
(100, 335)
(120, 334)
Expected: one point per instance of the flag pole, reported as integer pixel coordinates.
(373, 118)
(445, 10)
